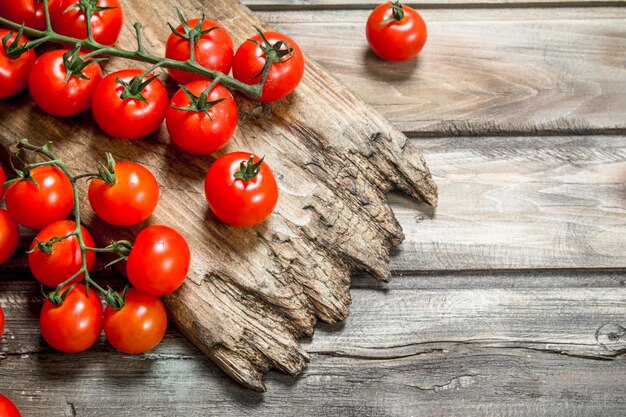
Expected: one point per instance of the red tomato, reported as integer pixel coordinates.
(214, 50)
(236, 201)
(395, 32)
(9, 236)
(129, 117)
(159, 260)
(132, 198)
(106, 25)
(1, 323)
(14, 72)
(7, 408)
(65, 260)
(35, 206)
(284, 75)
(138, 326)
(29, 12)
(76, 324)
(194, 130)
(3, 179)
(50, 91)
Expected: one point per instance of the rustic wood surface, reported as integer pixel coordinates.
(509, 299)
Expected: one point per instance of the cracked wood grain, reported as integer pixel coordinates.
(251, 294)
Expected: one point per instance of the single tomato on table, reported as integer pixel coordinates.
(7, 408)
(36, 206)
(280, 52)
(396, 32)
(29, 12)
(9, 236)
(241, 189)
(214, 48)
(75, 324)
(68, 19)
(14, 70)
(202, 117)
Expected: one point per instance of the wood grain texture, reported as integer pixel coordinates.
(483, 72)
(251, 294)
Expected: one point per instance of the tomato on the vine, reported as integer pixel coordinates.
(396, 32)
(9, 236)
(139, 325)
(7, 408)
(106, 23)
(14, 72)
(214, 48)
(74, 325)
(129, 106)
(241, 189)
(285, 57)
(29, 12)
(36, 206)
(159, 260)
(130, 200)
(201, 121)
(61, 260)
(54, 92)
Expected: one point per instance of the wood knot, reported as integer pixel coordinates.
(611, 336)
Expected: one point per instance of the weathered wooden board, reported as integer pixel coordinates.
(251, 294)
(540, 71)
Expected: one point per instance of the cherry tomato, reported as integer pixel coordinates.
(1, 323)
(284, 76)
(106, 25)
(36, 206)
(65, 260)
(159, 260)
(195, 131)
(132, 198)
(129, 117)
(14, 72)
(3, 179)
(50, 91)
(7, 408)
(9, 236)
(241, 196)
(139, 325)
(76, 324)
(29, 12)
(214, 50)
(395, 32)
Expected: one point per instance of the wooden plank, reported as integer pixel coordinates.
(483, 72)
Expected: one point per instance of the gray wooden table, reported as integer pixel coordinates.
(509, 299)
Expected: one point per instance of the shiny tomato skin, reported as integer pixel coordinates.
(283, 77)
(29, 12)
(3, 179)
(50, 92)
(106, 24)
(159, 260)
(128, 202)
(137, 327)
(396, 40)
(197, 132)
(234, 201)
(76, 324)
(14, 72)
(51, 269)
(7, 408)
(36, 207)
(214, 50)
(129, 118)
(9, 236)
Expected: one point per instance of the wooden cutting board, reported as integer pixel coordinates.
(252, 293)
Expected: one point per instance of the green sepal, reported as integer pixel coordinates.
(115, 300)
(397, 13)
(56, 297)
(199, 103)
(248, 170)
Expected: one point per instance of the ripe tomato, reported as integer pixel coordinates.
(106, 25)
(35, 206)
(50, 91)
(192, 129)
(284, 75)
(395, 32)
(9, 236)
(65, 260)
(159, 260)
(241, 189)
(132, 198)
(7, 408)
(76, 324)
(131, 111)
(3, 179)
(214, 50)
(14, 72)
(29, 12)
(138, 326)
